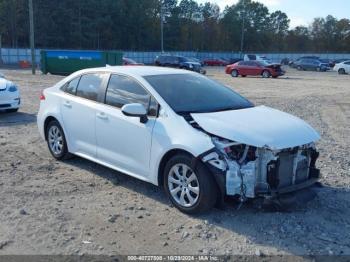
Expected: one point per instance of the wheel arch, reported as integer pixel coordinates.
(166, 157)
(49, 119)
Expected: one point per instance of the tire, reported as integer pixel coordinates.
(318, 69)
(341, 71)
(299, 68)
(244, 75)
(265, 74)
(201, 182)
(13, 110)
(234, 73)
(56, 141)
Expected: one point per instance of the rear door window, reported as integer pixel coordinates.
(89, 85)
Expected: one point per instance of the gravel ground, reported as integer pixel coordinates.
(78, 207)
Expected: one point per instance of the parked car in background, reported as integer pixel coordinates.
(285, 61)
(197, 138)
(130, 62)
(293, 63)
(254, 68)
(250, 57)
(215, 62)
(196, 60)
(328, 61)
(9, 95)
(342, 68)
(234, 60)
(311, 64)
(337, 61)
(179, 62)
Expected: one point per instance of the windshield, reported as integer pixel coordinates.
(265, 63)
(189, 93)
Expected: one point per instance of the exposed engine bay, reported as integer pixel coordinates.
(252, 172)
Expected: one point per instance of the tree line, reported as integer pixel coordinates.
(135, 25)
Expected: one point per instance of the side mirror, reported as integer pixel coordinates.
(135, 110)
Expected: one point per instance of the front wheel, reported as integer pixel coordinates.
(56, 141)
(341, 71)
(234, 73)
(266, 74)
(191, 191)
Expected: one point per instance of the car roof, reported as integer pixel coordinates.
(137, 70)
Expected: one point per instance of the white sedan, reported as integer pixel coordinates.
(9, 95)
(197, 138)
(342, 68)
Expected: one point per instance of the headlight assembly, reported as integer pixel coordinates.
(12, 88)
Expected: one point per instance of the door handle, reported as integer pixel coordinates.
(67, 104)
(102, 116)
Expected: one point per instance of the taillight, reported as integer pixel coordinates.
(42, 96)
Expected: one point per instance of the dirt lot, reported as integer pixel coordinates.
(78, 207)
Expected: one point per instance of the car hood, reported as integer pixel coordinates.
(258, 126)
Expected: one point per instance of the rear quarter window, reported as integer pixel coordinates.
(71, 86)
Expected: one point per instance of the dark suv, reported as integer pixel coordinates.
(179, 62)
(311, 64)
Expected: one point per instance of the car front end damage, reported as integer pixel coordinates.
(250, 172)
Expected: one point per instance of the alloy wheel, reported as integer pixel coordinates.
(55, 139)
(266, 74)
(183, 185)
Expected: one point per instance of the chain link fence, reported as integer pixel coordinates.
(12, 56)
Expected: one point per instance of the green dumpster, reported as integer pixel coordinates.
(65, 62)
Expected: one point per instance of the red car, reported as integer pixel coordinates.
(130, 62)
(215, 62)
(254, 68)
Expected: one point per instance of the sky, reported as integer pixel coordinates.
(300, 12)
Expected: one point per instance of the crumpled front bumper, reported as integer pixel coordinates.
(231, 187)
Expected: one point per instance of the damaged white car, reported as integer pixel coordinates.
(197, 138)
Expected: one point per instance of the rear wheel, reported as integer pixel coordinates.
(234, 73)
(266, 74)
(191, 191)
(56, 140)
(341, 71)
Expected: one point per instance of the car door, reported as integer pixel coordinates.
(78, 110)
(256, 69)
(123, 141)
(250, 68)
(242, 68)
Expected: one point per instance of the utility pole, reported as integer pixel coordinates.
(31, 32)
(161, 26)
(243, 28)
